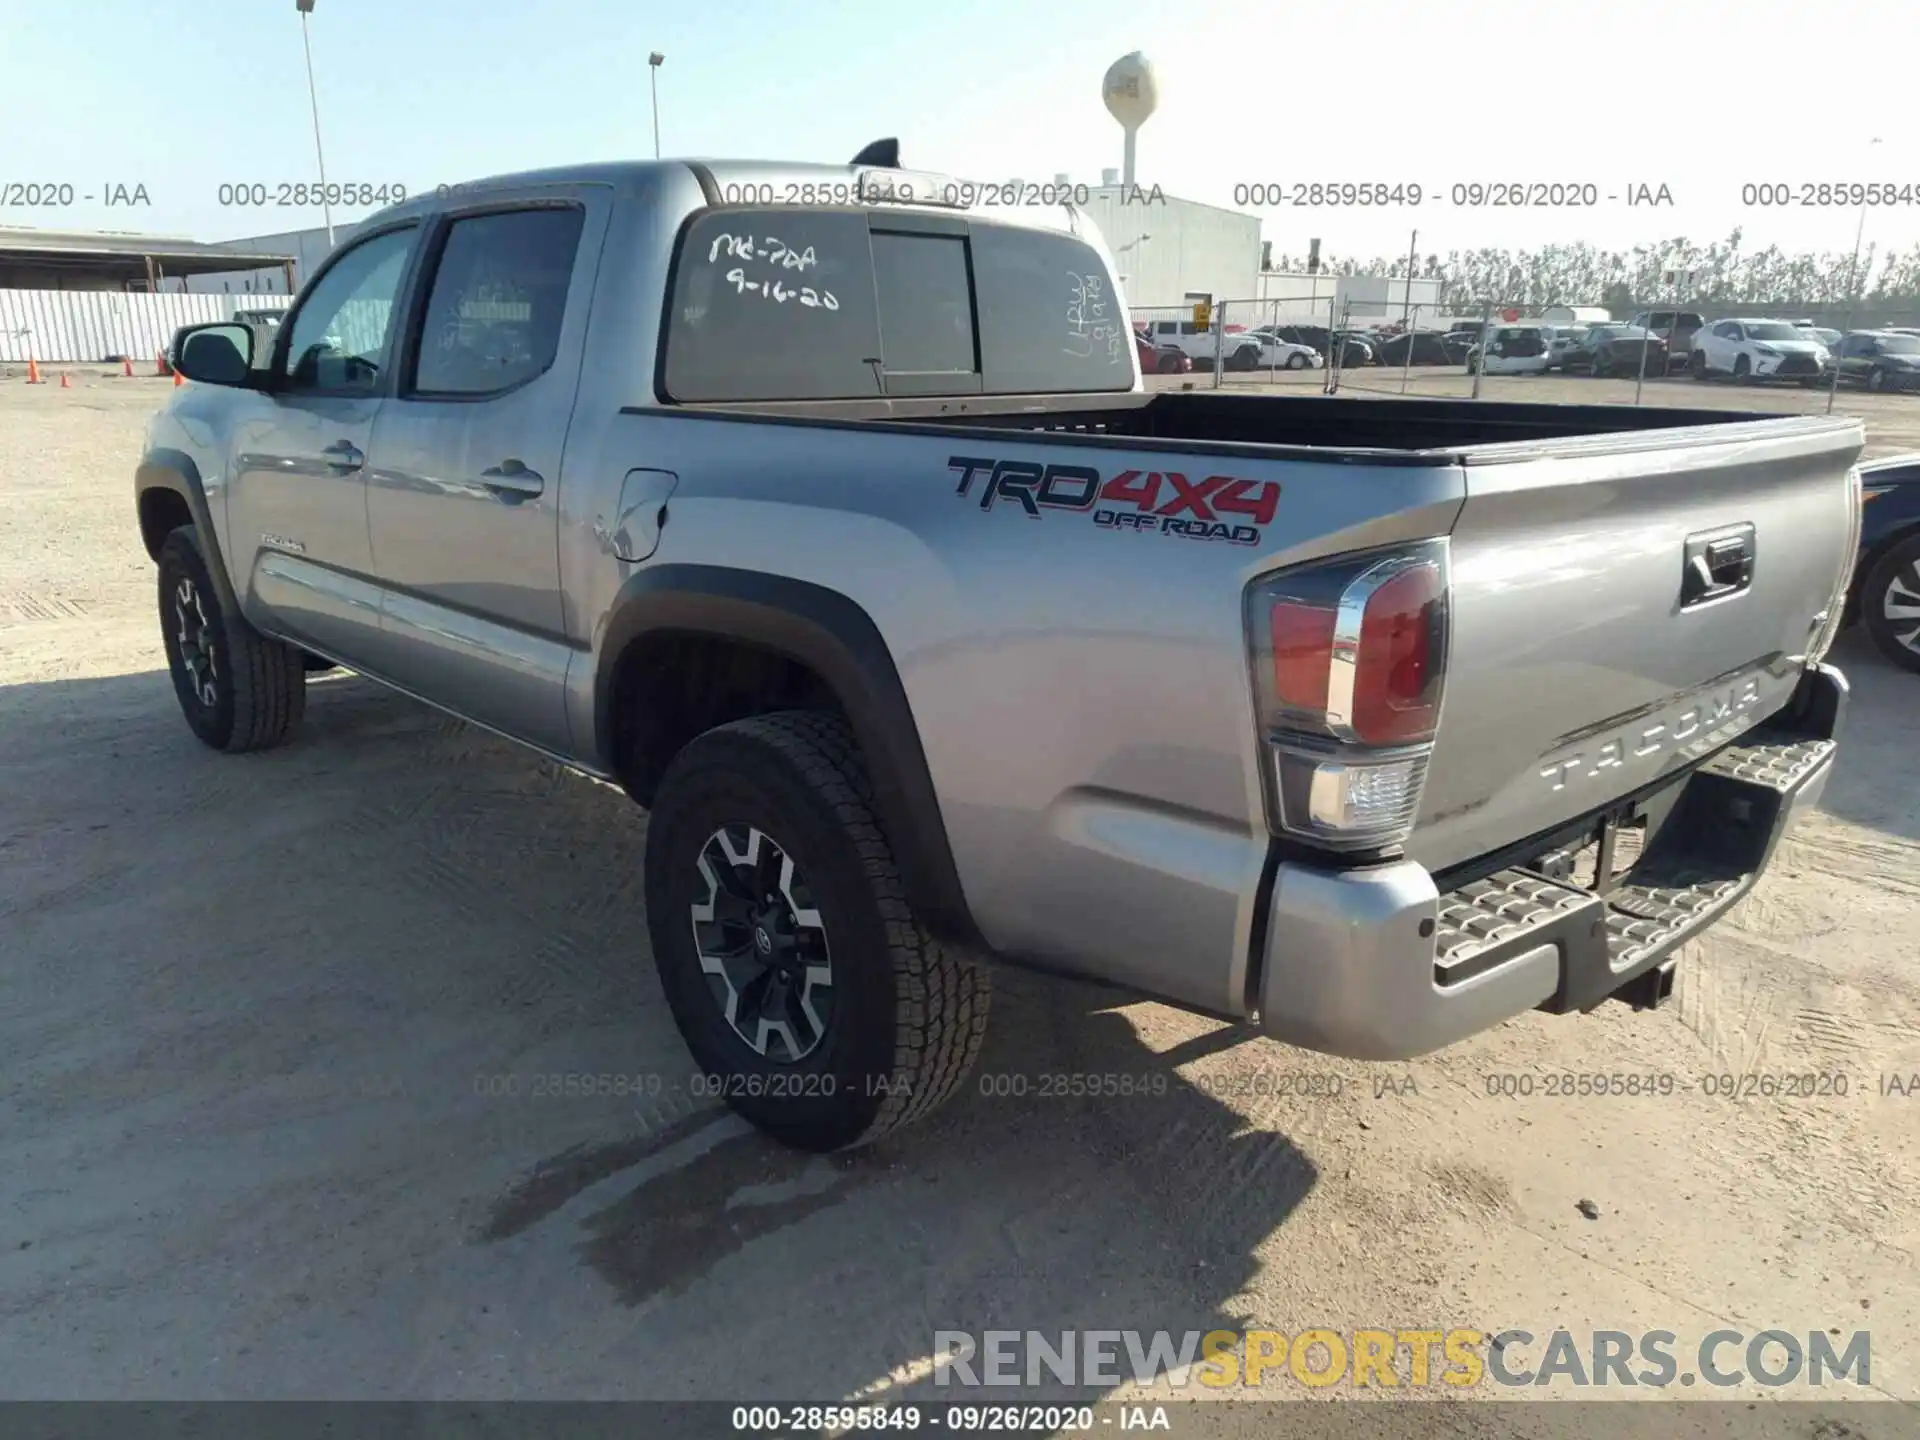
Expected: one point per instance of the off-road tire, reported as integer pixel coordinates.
(1900, 564)
(259, 684)
(909, 1013)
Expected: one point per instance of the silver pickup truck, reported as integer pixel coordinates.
(827, 515)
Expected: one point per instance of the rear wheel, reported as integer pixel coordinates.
(1890, 604)
(238, 689)
(813, 1001)
(1698, 364)
(1876, 379)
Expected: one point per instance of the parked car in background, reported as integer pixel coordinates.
(1757, 350)
(1886, 578)
(1352, 351)
(1160, 359)
(1197, 342)
(1676, 327)
(1560, 340)
(1471, 328)
(1829, 338)
(1273, 353)
(1512, 350)
(1880, 360)
(1607, 350)
(1426, 346)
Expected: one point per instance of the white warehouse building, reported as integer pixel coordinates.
(1171, 252)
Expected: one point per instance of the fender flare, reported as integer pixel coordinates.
(835, 638)
(174, 470)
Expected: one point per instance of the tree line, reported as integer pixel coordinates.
(1725, 274)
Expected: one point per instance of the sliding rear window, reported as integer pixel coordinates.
(816, 304)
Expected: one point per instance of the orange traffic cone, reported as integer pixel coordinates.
(178, 379)
(126, 366)
(66, 381)
(159, 362)
(33, 371)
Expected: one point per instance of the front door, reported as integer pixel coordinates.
(297, 507)
(463, 484)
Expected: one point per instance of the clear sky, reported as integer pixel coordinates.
(1700, 97)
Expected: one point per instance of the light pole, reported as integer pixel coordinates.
(1853, 302)
(313, 98)
(654, 62)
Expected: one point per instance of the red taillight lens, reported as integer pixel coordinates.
(1302, 654)
(1350, 659)
(1355, 649)
(1396, 675)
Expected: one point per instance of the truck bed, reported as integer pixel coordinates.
(1370, 431)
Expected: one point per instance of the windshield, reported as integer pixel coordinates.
(1773, 330)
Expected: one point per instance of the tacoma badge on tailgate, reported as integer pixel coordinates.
(1701, 723)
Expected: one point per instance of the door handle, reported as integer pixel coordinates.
(344, 455)
(1717, 566)
(512, 481)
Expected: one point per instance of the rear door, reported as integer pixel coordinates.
(1586, 661)
(463, 487)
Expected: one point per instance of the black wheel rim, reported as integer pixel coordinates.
(762, 944)
(194, 635)
(1900, 607)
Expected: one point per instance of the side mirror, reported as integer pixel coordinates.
(219, 354)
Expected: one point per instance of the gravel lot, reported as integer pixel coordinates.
(272, 1027)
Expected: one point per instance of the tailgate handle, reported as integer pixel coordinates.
(1717, 564)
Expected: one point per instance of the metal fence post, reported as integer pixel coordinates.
(1219, 344)
(1480, 365)
(1336, 352)
(1411, 318)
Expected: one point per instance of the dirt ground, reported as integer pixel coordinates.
(272, 1030)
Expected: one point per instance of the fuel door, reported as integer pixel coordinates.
(634, 531)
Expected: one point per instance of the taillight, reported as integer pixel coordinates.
(1349, 666)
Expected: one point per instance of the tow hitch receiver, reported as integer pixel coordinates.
(1651, 989)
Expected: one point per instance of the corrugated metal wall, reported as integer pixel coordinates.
(88, 326)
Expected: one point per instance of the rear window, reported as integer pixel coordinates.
(815, 304)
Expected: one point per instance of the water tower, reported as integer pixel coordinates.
(1131, 94)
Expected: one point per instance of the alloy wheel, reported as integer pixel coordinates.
(194, 633)
(762, 944)
(1900, 606)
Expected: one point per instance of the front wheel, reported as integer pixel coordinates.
(1296, 362)
(1876, 379)
(1742, 370)
(814, 1002)
(239, 689)
(1890, 604)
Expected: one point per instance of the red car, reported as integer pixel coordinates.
(1160, 359)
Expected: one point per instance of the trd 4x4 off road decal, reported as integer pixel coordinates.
(1162, 502)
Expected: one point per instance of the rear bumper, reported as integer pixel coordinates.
(1379, 964)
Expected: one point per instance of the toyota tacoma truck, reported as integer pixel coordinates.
(827, 514)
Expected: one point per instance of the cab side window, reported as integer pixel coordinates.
(341, 336)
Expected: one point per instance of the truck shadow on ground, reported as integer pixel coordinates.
(447, 919)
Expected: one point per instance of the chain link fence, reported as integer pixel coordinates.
(1433, 350)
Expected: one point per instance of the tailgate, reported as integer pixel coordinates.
(1622, 606)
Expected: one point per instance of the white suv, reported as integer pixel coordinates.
(1200, 342)
(1758, 350)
